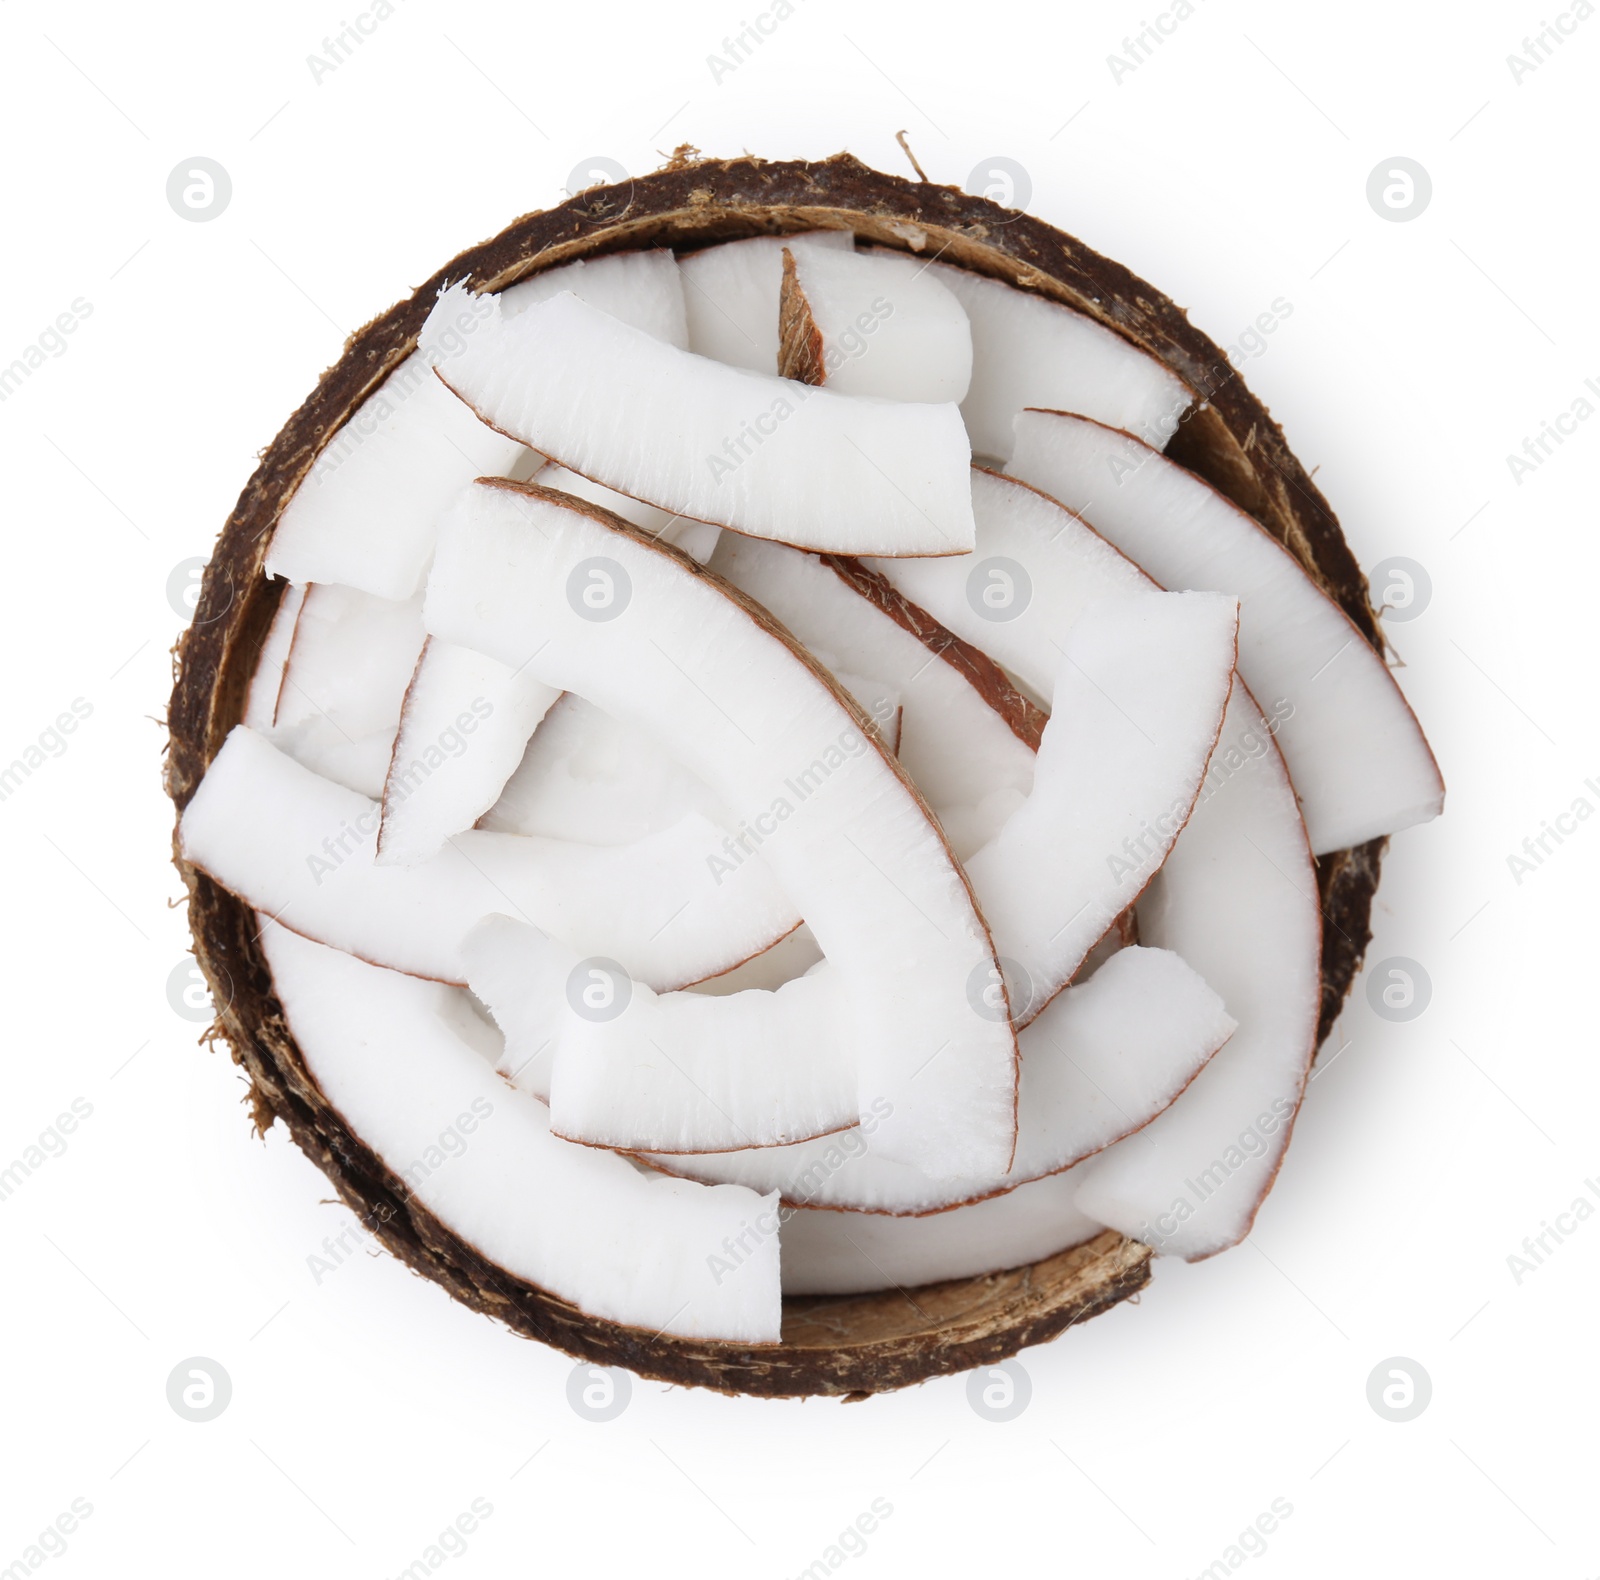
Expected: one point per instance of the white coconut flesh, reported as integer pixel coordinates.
(731, 295)
(366, 513)
(303, 849)
(957, 748)
(385, 1050)
(261, 704)
(464, 728)
(1238, 900)
(1103, 1059)
(885, 325)
(1023, 345)
(751, 451)
(849, 1253)
(1354, 749)
(842, 830)
(626, 1068)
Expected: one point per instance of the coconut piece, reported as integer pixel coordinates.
(387, 1053)
(792, 759)
(365, 514)
(846, 1253)
(627, 1068)
(696, 538)
(731, 295)
(301, 848)
(1142, 684)
(639, 288)
(1030, 351)
(464, 728)
(762, 455)
(1238, 899)
(261, 706)
(1102, 1059)
(956, 742)
(1356, 754)
(871, 323)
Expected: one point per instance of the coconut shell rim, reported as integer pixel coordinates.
(844, 1346)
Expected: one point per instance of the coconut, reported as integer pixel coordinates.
(849, 1344)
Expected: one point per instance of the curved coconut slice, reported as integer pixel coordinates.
(583, 1224)
(639, 288)
(694, 1073)
(849, 1253)
(1238, 899)
(1024, 346)
(1354, 749)
(368, 509)
(762, 455)
(871, 323)
(792, 760)
(589, 777)
(731, 295)
(463, 730)
(1103, 1059)
(695, 538)
(955, 744)
(301, 848)
(261, 706)
(1136, 710)
(626, 1068)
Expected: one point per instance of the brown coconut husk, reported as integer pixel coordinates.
(848, 1346)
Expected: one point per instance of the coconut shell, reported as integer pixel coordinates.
(848, 1346)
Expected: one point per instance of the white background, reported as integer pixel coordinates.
(368, 1411)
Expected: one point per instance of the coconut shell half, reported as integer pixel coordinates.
(849, 1345)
